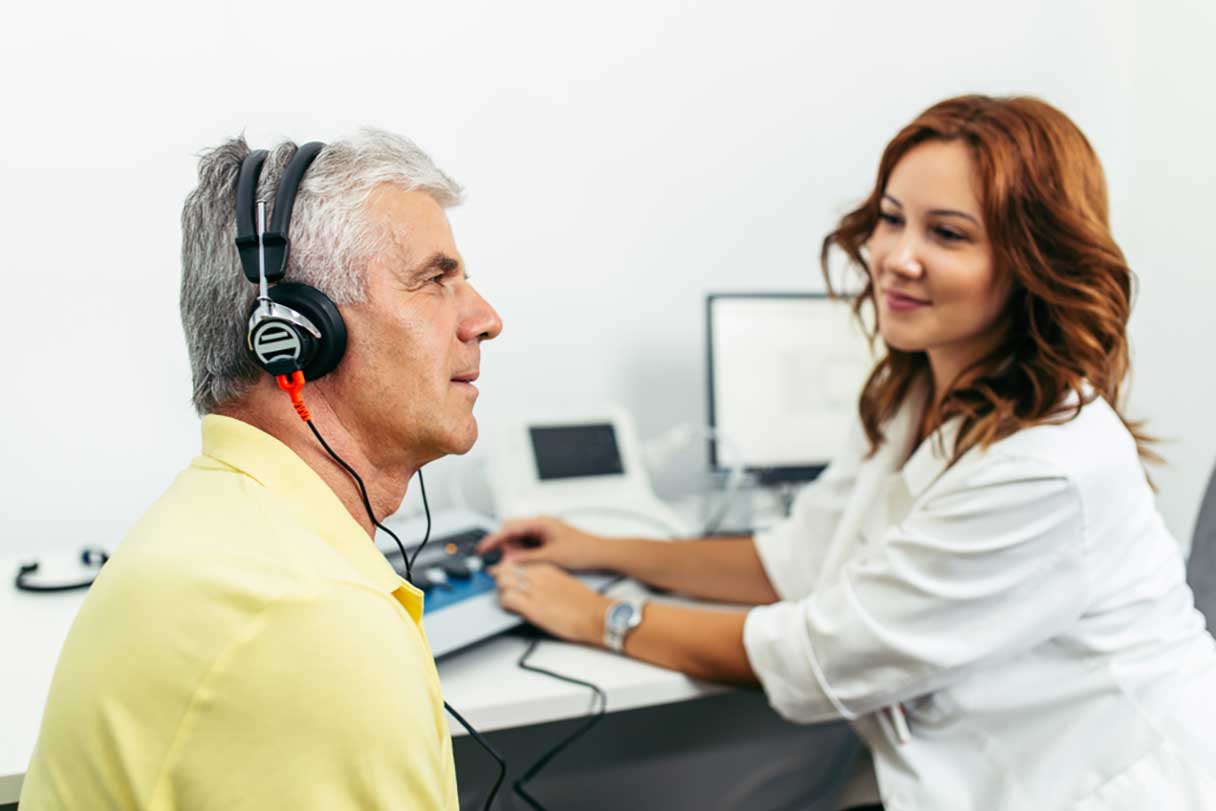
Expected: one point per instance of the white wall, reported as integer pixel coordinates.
(1166, 229)
(621, 161)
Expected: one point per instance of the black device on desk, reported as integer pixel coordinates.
(785, 371)
(89, 556)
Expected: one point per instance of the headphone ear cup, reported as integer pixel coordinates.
(318, 308)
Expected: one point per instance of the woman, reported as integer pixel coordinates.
(980, 582)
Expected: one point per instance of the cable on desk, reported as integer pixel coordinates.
(502, 764)
(554, 751)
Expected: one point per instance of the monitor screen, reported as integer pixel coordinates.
(785, 374)
(573, 451)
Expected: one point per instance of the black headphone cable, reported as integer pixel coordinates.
(293, 386)
(409, 562)
(555, 750)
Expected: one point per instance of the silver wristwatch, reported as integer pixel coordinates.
(622, 617)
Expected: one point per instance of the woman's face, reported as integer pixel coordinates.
(935, 283)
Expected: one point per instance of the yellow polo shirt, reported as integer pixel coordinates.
(246, 648)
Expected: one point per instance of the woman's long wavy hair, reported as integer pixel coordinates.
(1045, 210)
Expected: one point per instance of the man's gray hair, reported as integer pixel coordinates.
(332, 242)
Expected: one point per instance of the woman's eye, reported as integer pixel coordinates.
(949, 235)
(889, 218)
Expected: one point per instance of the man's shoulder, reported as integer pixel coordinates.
(202, 567)
(338, 668)
(327, 678)
(336, 621)
(204, 494)
(217, 524)
(222, 561)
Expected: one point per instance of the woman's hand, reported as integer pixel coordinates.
(531, 540)
(552, 600)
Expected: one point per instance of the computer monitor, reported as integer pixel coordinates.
(785, 373)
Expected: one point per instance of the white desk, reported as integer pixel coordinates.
(483, 683)
(32, 630)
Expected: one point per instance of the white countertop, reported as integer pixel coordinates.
(486, 686)
(32, 630)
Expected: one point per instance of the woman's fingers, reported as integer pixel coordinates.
(513, 535)
(514, 587)
(551, 599)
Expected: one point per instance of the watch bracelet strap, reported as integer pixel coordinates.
(614, 640)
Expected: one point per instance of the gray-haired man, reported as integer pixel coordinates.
(247, 646)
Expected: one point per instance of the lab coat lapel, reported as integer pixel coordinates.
(930, 460)
(872, 478)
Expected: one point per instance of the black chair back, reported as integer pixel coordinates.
(1201, 568)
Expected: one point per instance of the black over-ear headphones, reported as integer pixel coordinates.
(292, 326)
(89, 556)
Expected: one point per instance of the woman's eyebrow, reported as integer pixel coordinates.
(950, 212)
(940, 212)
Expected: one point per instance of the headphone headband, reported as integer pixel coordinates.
(246, 229)
(285, 200)
(275, 241)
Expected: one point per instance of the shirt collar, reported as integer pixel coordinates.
(306, 496)
(931, 459)
(927, 461)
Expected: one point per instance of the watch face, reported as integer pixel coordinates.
(620, 614)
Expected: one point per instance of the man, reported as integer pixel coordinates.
(247, 646)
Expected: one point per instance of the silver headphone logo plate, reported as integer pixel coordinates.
(272, 340)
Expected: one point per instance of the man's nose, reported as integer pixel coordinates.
(481, 321)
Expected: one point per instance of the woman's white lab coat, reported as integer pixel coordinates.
(1025, 611)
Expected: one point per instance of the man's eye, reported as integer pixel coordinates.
(438, 279)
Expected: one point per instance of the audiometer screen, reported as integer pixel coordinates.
(574, 451)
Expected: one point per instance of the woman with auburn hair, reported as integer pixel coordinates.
(980, 582)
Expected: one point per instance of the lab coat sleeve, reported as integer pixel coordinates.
(990, 564)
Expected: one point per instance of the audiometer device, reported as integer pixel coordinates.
(461, 602)
(586, 469)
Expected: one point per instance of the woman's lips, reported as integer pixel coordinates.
(900, 303)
